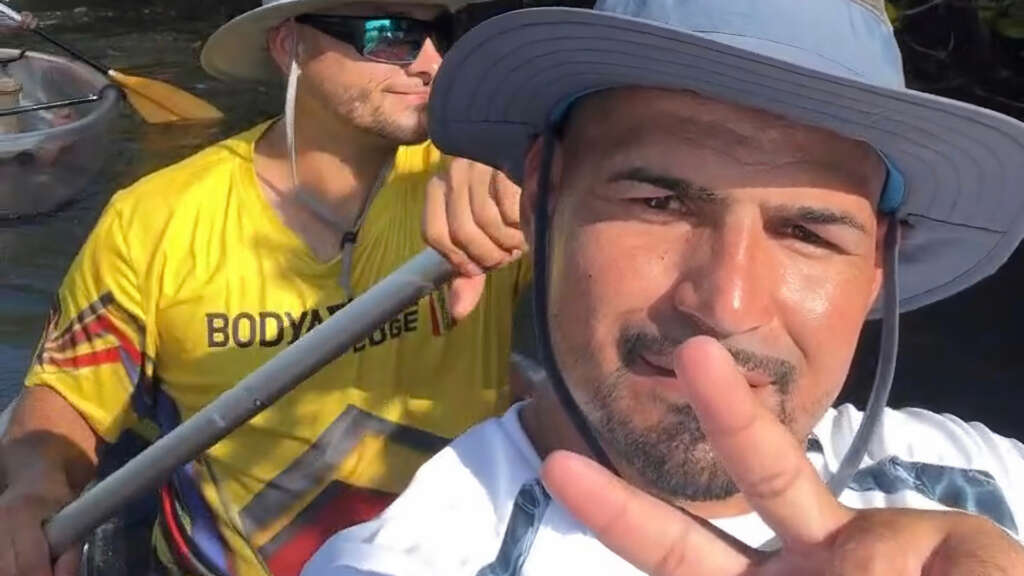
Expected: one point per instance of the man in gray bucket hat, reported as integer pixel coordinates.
(719, 194)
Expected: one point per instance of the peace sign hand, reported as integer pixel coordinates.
(819, 535)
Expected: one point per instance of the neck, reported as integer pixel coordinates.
(549, 429)
(337, 169)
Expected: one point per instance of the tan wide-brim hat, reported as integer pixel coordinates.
(238, 50)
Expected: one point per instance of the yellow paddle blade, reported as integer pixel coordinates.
(159, 102)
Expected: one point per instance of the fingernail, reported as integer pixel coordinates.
(516, 253)
(471, 270)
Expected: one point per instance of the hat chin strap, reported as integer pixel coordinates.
(540, 308)
(289, 104)
(348, 237)
(885, 370)
(888, 349)
(291, 94)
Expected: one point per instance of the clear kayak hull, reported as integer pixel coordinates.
(47, 157)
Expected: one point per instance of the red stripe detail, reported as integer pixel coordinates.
(76, 336)
(181, 550)
(349, 506)
(89, 359)
(96, 307)
(82, 333)
(97, 326)
(126, 343)
(433, 317)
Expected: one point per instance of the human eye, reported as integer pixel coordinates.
(806, 236)
(660, 203)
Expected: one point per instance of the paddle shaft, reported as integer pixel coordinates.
(49, 105)
(102, 69)
(147, 471)
(13, 15)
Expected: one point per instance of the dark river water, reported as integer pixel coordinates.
(138, 37)
(964, 355)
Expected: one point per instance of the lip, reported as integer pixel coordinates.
(421, 94)
(654, 369)
(663, 365)
(756, 379)
(645, 375)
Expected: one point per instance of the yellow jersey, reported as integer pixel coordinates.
(190, 281)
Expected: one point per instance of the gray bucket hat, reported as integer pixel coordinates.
(828, 63)
(238, 50)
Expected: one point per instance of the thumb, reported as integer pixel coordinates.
(650, 534)
(69, 562)
(466, 293)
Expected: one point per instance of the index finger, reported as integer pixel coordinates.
(761, 455)
(507, 196)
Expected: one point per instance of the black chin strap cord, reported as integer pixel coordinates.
(540, 302)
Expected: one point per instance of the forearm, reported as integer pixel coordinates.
(48, 448)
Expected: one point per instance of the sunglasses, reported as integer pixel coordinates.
(390, 39)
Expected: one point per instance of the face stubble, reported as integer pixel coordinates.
(672, 457)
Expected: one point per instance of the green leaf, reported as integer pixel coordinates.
(1011, 27)
(893, 12)
(990, 10)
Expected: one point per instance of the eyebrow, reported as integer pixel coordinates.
(682, 188)
(812, 215)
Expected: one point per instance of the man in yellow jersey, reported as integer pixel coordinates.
(198, 274)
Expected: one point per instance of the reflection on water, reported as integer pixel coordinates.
(143, 38)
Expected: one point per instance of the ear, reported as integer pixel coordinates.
(279, 44)
(531, 182)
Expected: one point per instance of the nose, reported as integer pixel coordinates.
(730, 278)
(426, 63)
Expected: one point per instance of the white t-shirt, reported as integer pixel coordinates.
(455, 515)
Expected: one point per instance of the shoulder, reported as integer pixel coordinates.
(922, 435)
(412, 169)
(398, 207)
(479, 469)
(451, 516)
(194, 181)
(937, 457)
(417, 159)
(194, 192)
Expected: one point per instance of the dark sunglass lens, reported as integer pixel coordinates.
(402, 52)
(392, 40)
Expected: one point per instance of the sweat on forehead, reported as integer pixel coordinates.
(612, 122)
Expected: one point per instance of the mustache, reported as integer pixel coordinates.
(633, 344)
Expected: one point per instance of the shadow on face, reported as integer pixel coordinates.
(675, 216)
